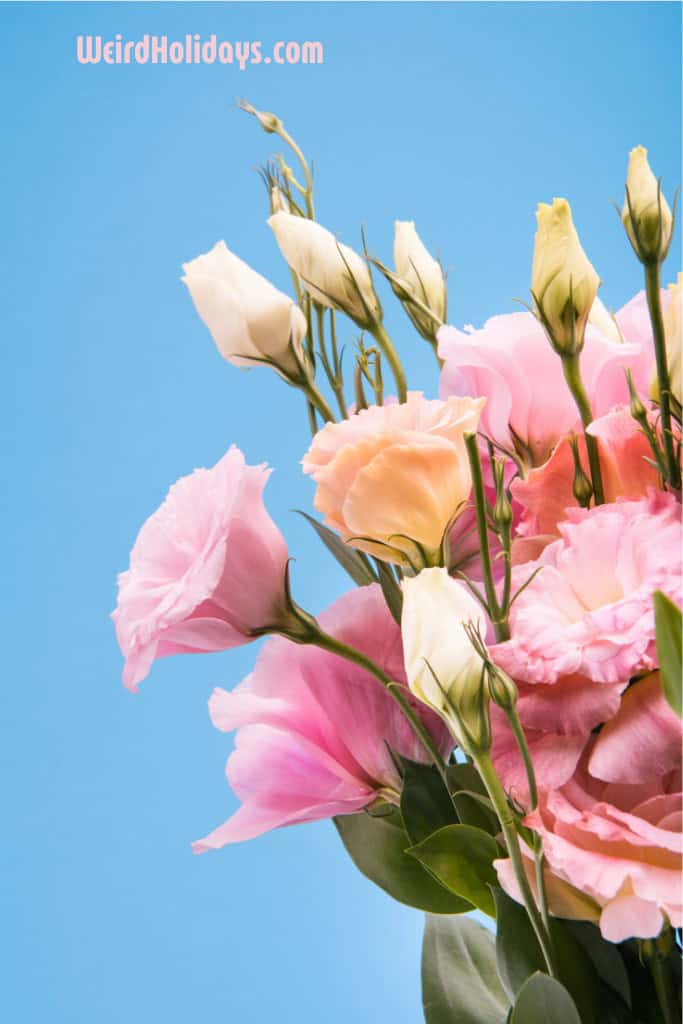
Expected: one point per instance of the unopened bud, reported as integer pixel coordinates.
(582, 488)
(278, 201)
(646, 215)
(503, 690)
(269, 122)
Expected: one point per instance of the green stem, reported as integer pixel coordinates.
(308, 191)
(313, 395)
(391, 356)
(657, 955)
(572, 374)
(497, 615)
(654, 302)
(499, 800)
(334, 380)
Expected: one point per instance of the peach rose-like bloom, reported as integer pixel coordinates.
(612, 834)
(588, 612)
(208, 568)
(391, 479)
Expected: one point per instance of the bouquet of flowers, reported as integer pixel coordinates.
(491, 715)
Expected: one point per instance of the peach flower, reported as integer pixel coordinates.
(391, 479)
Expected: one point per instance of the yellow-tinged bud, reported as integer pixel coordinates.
(646, 215)
(419, 280)
(673, 331)
(564, 282)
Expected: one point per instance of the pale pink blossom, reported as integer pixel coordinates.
(588, 611)
(207, 569)
(612, 834)
(315, 731)
(392, 478)
(530, 408)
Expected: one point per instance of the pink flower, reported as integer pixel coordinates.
(392, 478)
(511, 362)
(547, 493)
(612, 835)
(207, 569)
(315, 730)
(588, 611)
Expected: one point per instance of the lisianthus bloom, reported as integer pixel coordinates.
(611, 835)
(588, 611)
(392, 478)
(249, 319)
(316, 732)
(625, 465)
(207, 569)
(530, 407)
(673, 334)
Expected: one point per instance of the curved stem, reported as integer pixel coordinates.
(312, 393)
(496, 793)
(391, 356)
(654, 302)
(572, 374)
(330, 372)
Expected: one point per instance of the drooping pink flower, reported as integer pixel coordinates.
(392, 478)
(208, 568)
(510, 361)
(611, 835)
(315, 731)
(588, 611)
(547, 493)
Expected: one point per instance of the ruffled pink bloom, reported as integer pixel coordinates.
(612, 835)
(588, 612)
(315, 730)
(547, 493)
(208, 568)
(510, 362)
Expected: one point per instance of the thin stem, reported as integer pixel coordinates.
(336, 366)
(308, 191)
(334, 380)
(654, 302)
(657, 954)
(518, 733)
(334, 646)
(498, 799)
(312, 393)
(312, 421)
(572, 374)
(498, 618)
(391, 355)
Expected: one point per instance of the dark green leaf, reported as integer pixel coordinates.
(426, 804)
(542, 1000)
(465, 777)
(477, 810)
(459, 980)
(604, 956)
(461, 857)
(668, 634)
(393, 594)
(376, 845)
(353, 562)
(519, 956)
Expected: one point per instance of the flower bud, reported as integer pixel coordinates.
(278, 201)
(646, 214)
(601, 318)
(249, 319)
(269, 122)
(503, 690)
(419, 280)
(564, 283)
(443, 668)
(673, 329)
(333, 274)
(582, 488)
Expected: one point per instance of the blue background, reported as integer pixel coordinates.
(461, 117)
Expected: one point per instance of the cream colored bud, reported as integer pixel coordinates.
(646, 214)
(421, 277)
(603, 320)
(564, 282)
(333, 274)
(443, 668)
(673, 330)
(249, 319)
(278, 201)
(269, 122)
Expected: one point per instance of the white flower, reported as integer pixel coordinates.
(421, 276)
(442, 666)
(332, 273)
(646, 215)
(249, 319)
(564, 283)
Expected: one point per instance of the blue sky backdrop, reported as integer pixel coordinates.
(459, 116)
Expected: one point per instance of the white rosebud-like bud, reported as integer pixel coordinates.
(443, 668)
(249, 319)
(646, 215)
(333, 274)
(278, 201)
(420, 278)
(564, 282)
(673, 331)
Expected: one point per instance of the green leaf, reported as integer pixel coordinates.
(669, 629)
(465, 777)
(604, 956)
(477, 810)
(459, 979)
(426, 804)
(461, 857)
(377, 846)
(353, 562)
(519, 956)
(542, 1000)
(393, 595)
